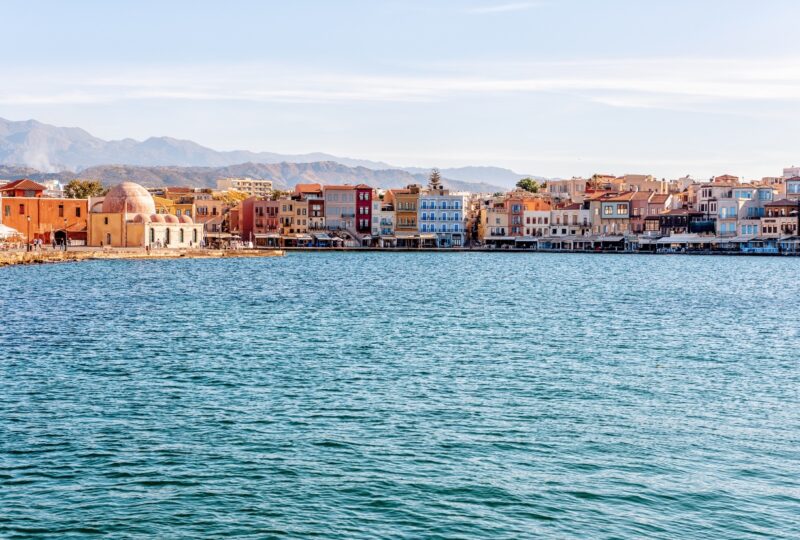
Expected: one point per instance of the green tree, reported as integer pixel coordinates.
(529, 184)
(83, 189)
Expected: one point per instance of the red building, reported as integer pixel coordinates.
(22, 188)
(24, 208)
(259, 222)
(363, 209)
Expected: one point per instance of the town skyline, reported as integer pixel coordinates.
(536, 87)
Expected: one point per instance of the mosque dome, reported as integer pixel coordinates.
(157, 218)
(169, 218)
(141, 218)
(128, 197)
(185, 219)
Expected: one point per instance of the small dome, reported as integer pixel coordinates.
(141, 218)
(185, 219)
(128, 197)
(157, 218)
(169, 218)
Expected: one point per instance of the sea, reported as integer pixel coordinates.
(402, 396)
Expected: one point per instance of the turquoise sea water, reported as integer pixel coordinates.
(377, 395)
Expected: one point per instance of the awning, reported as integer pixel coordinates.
(526, 239)
(321, 236)
(610, 238)
(8, 232)
(218, 235)
(427, 237)
(267, 235)
(303, 237)
(388, 237)
(687, 239)
(499, 239)
(366, 237)
(737, 239)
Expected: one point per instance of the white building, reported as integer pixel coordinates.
(54, 189)
(791, 172)
(251, 186)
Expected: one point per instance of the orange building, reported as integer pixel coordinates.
(24, 208)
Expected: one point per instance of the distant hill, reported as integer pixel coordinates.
(51, 149)
(283, 175)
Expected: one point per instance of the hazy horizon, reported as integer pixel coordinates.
(547, 88)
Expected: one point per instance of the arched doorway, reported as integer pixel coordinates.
(60, 237)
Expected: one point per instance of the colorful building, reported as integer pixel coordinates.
(36, 217)
(126, 217)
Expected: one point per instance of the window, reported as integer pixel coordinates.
(78, 211)
(22, 209)
(607, 210)
(60, 210)
(168, 241)
(194, 236)
(152, 236)
(7, 210)
(622, 209)
(457, 216)
(105, 221)
(181, 236)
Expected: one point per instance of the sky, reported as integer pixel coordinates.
(555, 88)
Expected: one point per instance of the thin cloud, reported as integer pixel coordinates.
(673, 84)
(504, 8)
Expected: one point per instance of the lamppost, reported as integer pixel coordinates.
(66, 235)
(29, 233)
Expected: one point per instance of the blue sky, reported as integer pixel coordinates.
(555, 88)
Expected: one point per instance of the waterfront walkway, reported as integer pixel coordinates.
(73, 254)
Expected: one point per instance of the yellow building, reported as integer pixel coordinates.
(127, 217)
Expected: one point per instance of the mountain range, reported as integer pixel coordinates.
(69, 152)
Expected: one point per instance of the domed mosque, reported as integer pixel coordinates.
(126, 217)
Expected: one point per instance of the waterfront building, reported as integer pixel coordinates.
(441, 216)
(312, 193)
(340, 208)
(611, 213)
(517, 203)
(405, 203)
(781, 219)
(25, 208)
(681, 221)
(126, 217)
(537, 219)
(570, 220)
(260, 222)
(250, 186)
(384, 218)
(645, 204)
(364, 211)
(495, 223)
